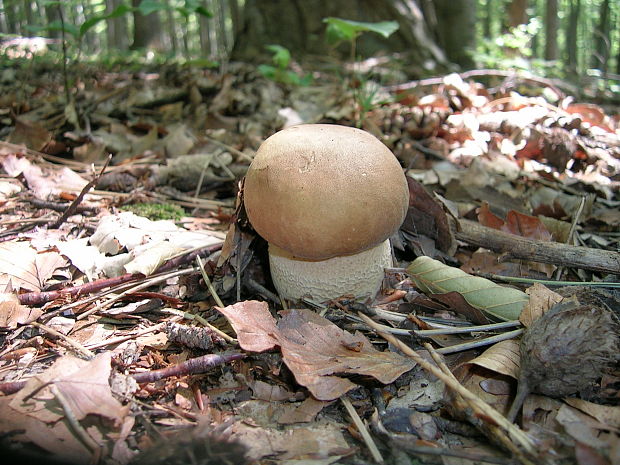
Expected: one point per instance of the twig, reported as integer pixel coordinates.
(361, 427)
(556, 253)
(212, 290)
(39, 298)
(501, 429)
(76, 345)
(262, 290)
(75, 424)
(230, 149)
(189, 367)
(120, 339)
(144, 285)
(480, 342)
(71, 209)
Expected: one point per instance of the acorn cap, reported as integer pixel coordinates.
(320, 191)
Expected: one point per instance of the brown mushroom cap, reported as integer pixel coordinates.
(320, 191)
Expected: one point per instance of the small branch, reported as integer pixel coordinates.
(361, 427)
(73, 207)
(498, 427)
(190, 367)
(73, 343)
(40, 298)
(73, 421)
(556, 253)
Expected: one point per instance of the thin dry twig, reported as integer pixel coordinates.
(503, 431)
(146, 284)
(361, 427)
(189, 367)
(71, 209)
(75, 424)
(73, 343)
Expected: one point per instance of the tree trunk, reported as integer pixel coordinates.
(205, 41)
(116, 28)
(172, 33)
(147, 29)
(551, 30)
(12, 21)
(571, 36)
(298, 25)
(602, 38)
(517, 13)
(29, 12)
(457, 29)
(488, 20)
(52, 15)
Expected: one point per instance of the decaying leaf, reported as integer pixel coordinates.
(24, 268)
(313, 348)
(500, 302)
(12, 313)
(503, 357)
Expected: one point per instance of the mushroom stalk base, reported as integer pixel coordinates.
(359, 274)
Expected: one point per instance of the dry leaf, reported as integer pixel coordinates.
(606, 414)
(541, 300)
(12, 313)
(313, 348)
(503, 357)
(24, 268)
(85, 385)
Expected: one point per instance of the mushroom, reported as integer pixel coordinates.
(326, 198)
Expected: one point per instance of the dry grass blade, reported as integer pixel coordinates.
(504, 432)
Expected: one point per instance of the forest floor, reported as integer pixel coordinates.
(138, 321)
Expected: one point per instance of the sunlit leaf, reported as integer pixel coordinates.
(434, 277)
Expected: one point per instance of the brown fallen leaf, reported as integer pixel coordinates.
(85, 385)
(314, 349)
(12, 313)
(503, 357)
(24, 268)
(541, 299)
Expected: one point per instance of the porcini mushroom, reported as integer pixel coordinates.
(326, 198)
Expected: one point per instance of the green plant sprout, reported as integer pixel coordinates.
(279, 71)
(343, 30)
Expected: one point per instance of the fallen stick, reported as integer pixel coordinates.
(555, 253)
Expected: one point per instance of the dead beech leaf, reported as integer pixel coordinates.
(31, 134)
(503, 357)
(501, 302)
(12, 313)
(24, 268)
(606, 414)
(56, 438)
(541, 299)
(303, 412)
(516, 223)
(43, 182)
(85, 385)
(313, 348)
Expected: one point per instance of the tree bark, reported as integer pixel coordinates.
(571, 36)
(551, 30)
(147, 29)
(517, 13)
(298, 25)
(457, 29)
(602, 38)
(116, 28)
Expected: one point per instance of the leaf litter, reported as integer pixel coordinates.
(125, 288)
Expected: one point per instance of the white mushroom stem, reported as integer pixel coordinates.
(359, 274)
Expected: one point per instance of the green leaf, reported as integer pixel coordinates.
(339, 29)
(68, 28)
(281, 55)
(90, 22)
(147, 7)
(434, 277)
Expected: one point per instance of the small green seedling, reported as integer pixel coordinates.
(279, 71)
(343, 30)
